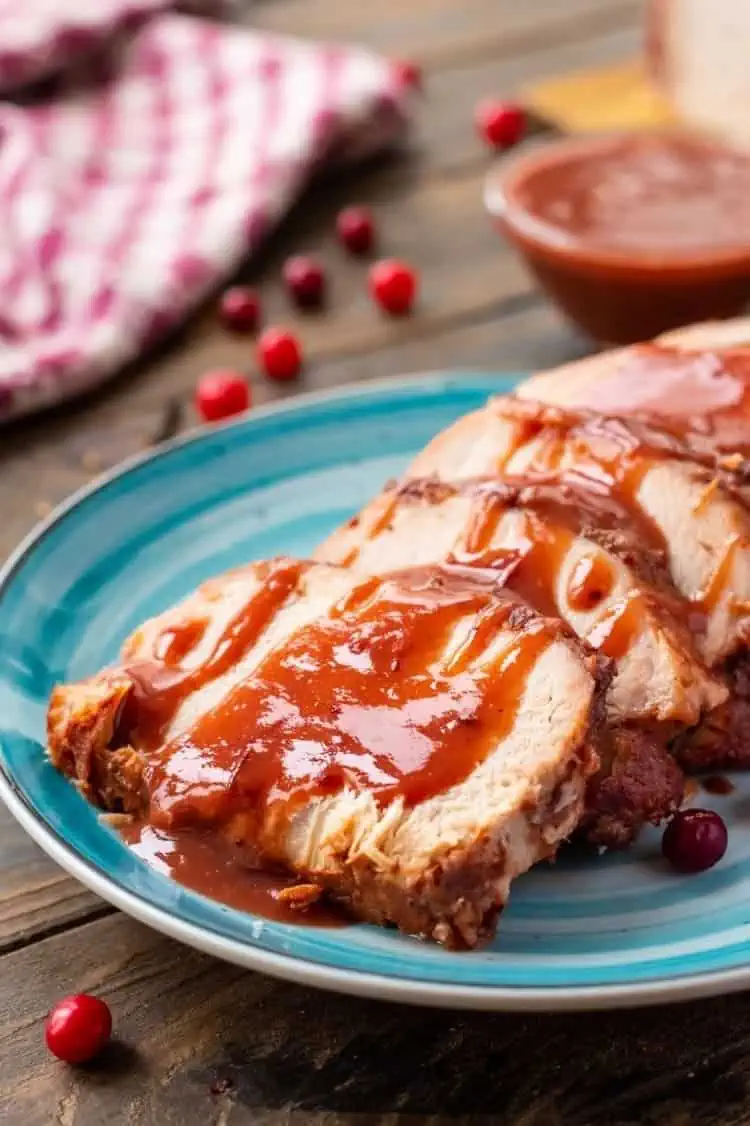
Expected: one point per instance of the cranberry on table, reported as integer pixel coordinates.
(221, 394)
(77, 1028)
(500, 124)
(408, 73)
(393, 285)
(240, 309)
(694, 840)
(305, 280)
(356, 229)
(279, 354)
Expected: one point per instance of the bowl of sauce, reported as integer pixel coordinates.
(631, 234)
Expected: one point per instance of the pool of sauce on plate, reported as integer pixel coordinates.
(231, 874)
(717, 784)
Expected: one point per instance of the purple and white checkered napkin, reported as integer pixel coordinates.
(150, 171)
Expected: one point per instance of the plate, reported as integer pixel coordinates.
(593, 932)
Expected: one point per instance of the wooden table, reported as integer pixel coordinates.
(204, 1043)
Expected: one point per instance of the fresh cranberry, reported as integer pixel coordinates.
(240, 309)
(393, 285)
(695, 839)
(77, 1028)
(221, 394)
(279, 354)
(500, 124)
(408, 73)
(305, 280)
(356, 229)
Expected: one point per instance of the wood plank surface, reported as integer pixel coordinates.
(199, 1042)
(204, 1043)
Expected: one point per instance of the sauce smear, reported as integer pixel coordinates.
(230, 874)
(717, 784)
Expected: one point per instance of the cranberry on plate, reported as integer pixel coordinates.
(78, 1027)
(393, 285)
(694, 840)
(221, 394)
(356, 229)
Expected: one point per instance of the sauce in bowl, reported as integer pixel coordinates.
(632, 234)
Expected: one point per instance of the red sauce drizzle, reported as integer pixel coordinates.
(719, 580)
(620, 626)
(590, 583)
(363, 698)
(163, 681)
(717, 784)
(530, 557)
(229, 873)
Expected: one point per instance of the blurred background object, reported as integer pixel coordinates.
(698, 57)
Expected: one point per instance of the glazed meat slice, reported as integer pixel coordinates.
(699, 374)
(695, 515)
(696, 381)
(573, 554)
(409, 743)
(569, 554)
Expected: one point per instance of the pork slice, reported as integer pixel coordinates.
(693, 514)
(572, 555)
(267, 732)
(697, 367)
(562, 551)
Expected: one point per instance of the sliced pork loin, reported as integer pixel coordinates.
(697, 379)
(694, 371)
(575, 554)
(691, 509)
(409, 743)
(570, 554)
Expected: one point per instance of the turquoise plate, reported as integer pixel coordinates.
(613, 930)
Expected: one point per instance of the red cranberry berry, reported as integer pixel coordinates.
(221, 394)
(240, 309)
(500, 124)
(305, 280)
(356, 229)
(279, 354)
(408, 73)
(694, 840)
(77, 1028)
(393, 285)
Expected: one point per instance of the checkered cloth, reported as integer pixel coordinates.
(137, 182)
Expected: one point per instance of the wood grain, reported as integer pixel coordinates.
(36, 897)
(198, 1039)
(442, 32)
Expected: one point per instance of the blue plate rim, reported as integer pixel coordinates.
(295, 968)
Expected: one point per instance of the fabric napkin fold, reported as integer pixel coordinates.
(139, 180)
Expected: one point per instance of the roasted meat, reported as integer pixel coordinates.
(410, 743)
